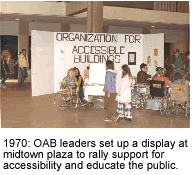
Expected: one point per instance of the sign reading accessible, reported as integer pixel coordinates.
(97, 48)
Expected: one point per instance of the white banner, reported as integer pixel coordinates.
(82, 49)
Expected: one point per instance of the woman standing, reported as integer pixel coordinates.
(110, 90)
(124, 97)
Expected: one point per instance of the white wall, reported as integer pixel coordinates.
(34, 7)
(9, 28)
(125, 30)
(78, 28)
(49, 27)
(172, 36)
(152, 41)
(42, 69)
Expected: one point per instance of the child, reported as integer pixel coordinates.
(69, 82)
(124, 97)
(110, 89)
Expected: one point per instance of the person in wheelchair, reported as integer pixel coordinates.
(69, 82)
(157, 73)
(142, 76)
(161, 77)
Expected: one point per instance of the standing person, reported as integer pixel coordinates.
(110, 90)
(178, 63)
(5, 72)
(23, 66)
(142, 76)
(80, 84)
(124, 97)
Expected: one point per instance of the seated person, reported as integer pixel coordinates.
(161, 77)
(80, 84)
(157, 70)
(69, 82)
(142, 76)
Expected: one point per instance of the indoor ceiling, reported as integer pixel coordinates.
(82, 18)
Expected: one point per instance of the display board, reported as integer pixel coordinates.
(81, 49)
(42, 63)
(54, 53)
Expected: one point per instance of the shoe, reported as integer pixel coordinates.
(119, 117)
(107, 120)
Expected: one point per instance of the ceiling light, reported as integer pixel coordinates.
(152, 26)
(120, 18)
(17, 19)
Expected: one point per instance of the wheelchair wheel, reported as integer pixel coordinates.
(164, 107)
(61, 100)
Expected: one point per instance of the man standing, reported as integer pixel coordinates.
(23, 66)
(5, 72)
(178, 63)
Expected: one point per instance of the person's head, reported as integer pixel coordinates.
(144, 67)
(126, 70)
(187, 54)
(109, 65)
(77, 72)
(71, 73)
(161, 72)
(176, 53)
(178, 76)
(157, 69)
(24, 51)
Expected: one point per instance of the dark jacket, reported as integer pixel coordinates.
(4, 67)
(142, 77)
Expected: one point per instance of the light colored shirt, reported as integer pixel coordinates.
(23, 62)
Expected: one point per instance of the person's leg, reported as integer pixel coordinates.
(128, 111)
(81, 93)
(120, 110)
(25, 73)
(22, 75)
(107, 106)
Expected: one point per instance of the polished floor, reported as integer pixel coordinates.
(20, 110)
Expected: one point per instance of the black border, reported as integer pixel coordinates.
(132, 63)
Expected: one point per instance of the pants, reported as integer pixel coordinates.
(4, 77)
(125, 112)
(24, 74)
(81, 93)
(110, 104)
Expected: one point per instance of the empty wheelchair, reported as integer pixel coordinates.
(180, 96)
(161, 98)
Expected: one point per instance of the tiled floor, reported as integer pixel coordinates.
(20, 110)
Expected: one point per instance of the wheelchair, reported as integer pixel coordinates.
(180, 96)
(67, 98)
(161, 98)
(139, 94)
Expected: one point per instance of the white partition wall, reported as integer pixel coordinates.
(81, 49)
(153, 42)
(42, 63)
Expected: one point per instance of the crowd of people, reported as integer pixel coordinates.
(122, 107)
